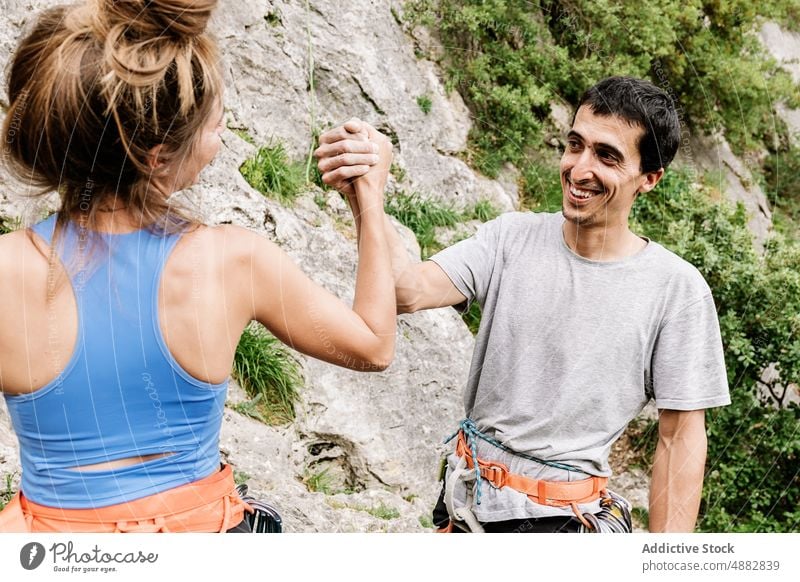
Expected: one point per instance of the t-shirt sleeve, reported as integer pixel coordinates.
(470, 263)
(688, 367)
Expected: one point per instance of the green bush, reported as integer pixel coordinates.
(752, 482)
(273, 174)
(509, 59)
(782, 186)
(270, 375)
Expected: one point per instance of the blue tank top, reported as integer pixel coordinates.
(121, 394)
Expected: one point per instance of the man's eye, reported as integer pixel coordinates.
(573, 145)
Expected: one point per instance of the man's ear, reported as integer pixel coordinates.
(154, 159)
(650, 180)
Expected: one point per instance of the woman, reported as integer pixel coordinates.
(121, 313)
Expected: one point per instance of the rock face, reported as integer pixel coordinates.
(784, 46)
(731, 176)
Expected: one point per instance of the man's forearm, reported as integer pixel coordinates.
(406, 283)
(678, 468)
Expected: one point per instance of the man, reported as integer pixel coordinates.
(583, 322)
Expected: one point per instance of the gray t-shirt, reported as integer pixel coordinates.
(570, 350)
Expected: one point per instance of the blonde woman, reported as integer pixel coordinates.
(121, 312)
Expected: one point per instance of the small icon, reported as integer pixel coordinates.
(31, 555)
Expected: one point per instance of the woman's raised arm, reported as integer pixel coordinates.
(307, 317)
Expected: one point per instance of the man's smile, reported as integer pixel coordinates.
(582, 194)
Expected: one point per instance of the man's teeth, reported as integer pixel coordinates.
(581, 193)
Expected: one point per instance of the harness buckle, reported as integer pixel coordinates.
(495, 474)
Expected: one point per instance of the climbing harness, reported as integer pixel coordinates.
(614, 514)
(208, 505)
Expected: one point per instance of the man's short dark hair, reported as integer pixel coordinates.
(640, 103)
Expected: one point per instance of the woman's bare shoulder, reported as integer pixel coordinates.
(15, 248)
(18, 255)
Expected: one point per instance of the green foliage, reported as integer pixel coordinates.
(425, 103)
(244, 134)
(422, 216)
(8, 491)
(9, 224)
(484, 211)
(273, 174)
(398, 172)
(782, 185)
(752, 483)
(753, 446)
(240, 477)
(319, 482)
(540, 187)
(383, 511)
(472, 317)
(509, 59)
(269, 374)
(641, 517)
(425, 521)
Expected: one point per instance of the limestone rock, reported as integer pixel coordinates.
(784, 46)
(731, 176)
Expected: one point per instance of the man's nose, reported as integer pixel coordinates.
(583, 168)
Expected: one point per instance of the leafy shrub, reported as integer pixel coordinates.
(270, 375)
(509, 59)
(752, 480)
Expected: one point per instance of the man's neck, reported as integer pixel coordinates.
(602, 242)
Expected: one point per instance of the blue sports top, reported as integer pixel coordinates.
(121, 394)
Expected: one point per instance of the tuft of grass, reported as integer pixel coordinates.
(272, 173)
(8, 491)
(425, 521)
(422, 216)
(272, 18)
(484, 211)
(268, 372)
(383, 511)
(425, 103)
(319, 482)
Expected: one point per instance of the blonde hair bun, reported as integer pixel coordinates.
(151, 19)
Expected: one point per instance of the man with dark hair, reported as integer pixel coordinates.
(583, 323)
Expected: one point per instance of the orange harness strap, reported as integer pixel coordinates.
(552, 493)
(208, 505)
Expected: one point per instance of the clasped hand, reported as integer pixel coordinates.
(354, 158)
